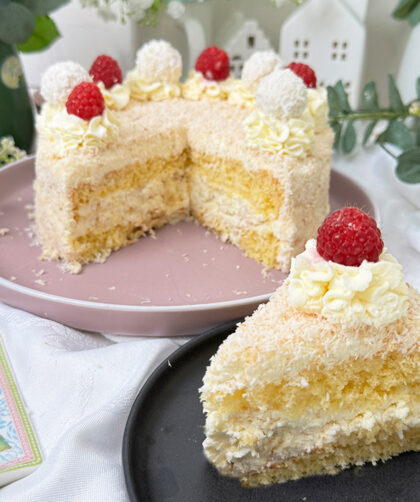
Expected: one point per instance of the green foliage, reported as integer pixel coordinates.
(408, 10)
(408, 167)
(26, 23)
(44, 34)
(395, 132)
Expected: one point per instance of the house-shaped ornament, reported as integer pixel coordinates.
(330, 37)
(241, 37)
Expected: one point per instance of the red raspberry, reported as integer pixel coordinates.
(105, 69)
(213, 63)
(85, 101)
(305, 72)
(349, 236)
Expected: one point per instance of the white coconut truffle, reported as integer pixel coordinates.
(258, 66)
(158, 61)
(282, 94)
(60, 79)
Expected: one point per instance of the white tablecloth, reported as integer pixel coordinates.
(79, 387)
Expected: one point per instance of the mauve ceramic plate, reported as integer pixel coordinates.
(163, 456)
(180, 282)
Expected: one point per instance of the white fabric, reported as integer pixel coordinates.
(79, 387)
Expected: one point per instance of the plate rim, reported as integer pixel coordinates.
(94, 305)
(143, 391)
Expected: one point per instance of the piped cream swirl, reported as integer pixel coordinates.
(318, 107)
(151, 91)
(373, 293)
(117, 97)
(72, 132)
(196, 87)
(292, 136)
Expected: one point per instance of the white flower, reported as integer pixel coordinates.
(176, 9)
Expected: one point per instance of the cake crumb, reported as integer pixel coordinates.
(41, 282)
(39, 272)
(4, 231)
(73, 267)
(166, 275)
(19, 199)
(179, 231)
(170, 299)
(204, 264)
(112, 288)
(29, 207)
(204, 250)
(93, 298)
(12, 278)
(145, 301)
(238, 292)
(188, 295)
(186, 257)
(265, 272)
(238, 266)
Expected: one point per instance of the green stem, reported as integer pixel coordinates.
(363, 115)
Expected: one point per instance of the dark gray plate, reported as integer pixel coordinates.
(163, 458)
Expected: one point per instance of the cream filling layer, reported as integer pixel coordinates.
(254, 445)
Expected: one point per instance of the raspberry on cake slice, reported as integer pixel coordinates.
(325, 375)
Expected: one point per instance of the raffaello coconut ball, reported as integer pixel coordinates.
(282, 94)
(158, 61)
(258, 66)
(60, 79)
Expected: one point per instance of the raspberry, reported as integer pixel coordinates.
(105, 69)
(213, 63)
(349, 236)
(305, 72)
(85, 101)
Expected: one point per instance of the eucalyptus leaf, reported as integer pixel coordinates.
(403, 8)
(44, 34)
(333, 102)
(408, 166)
(370, 97)
(368, 131)
(42, 7)
(414, 17)
(337, 128)
(398, 134)
(4, 3)
(349, 138)
(16, 23)
(342, 96)
(394, 96)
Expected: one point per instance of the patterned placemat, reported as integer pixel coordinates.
(19, 450)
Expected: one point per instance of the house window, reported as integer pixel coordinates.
(251, 41)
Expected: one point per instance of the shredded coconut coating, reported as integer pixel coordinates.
(282, 94)
(258, 66)
(279, 341)
(158, 61)
(60, 79)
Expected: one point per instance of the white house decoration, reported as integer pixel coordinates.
(329, 37)
(241, 37)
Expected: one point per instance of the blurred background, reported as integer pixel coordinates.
(195, 25)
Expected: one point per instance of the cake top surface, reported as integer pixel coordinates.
(281, 118)
(280, 341)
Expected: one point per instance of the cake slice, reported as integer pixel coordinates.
(326, 374)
